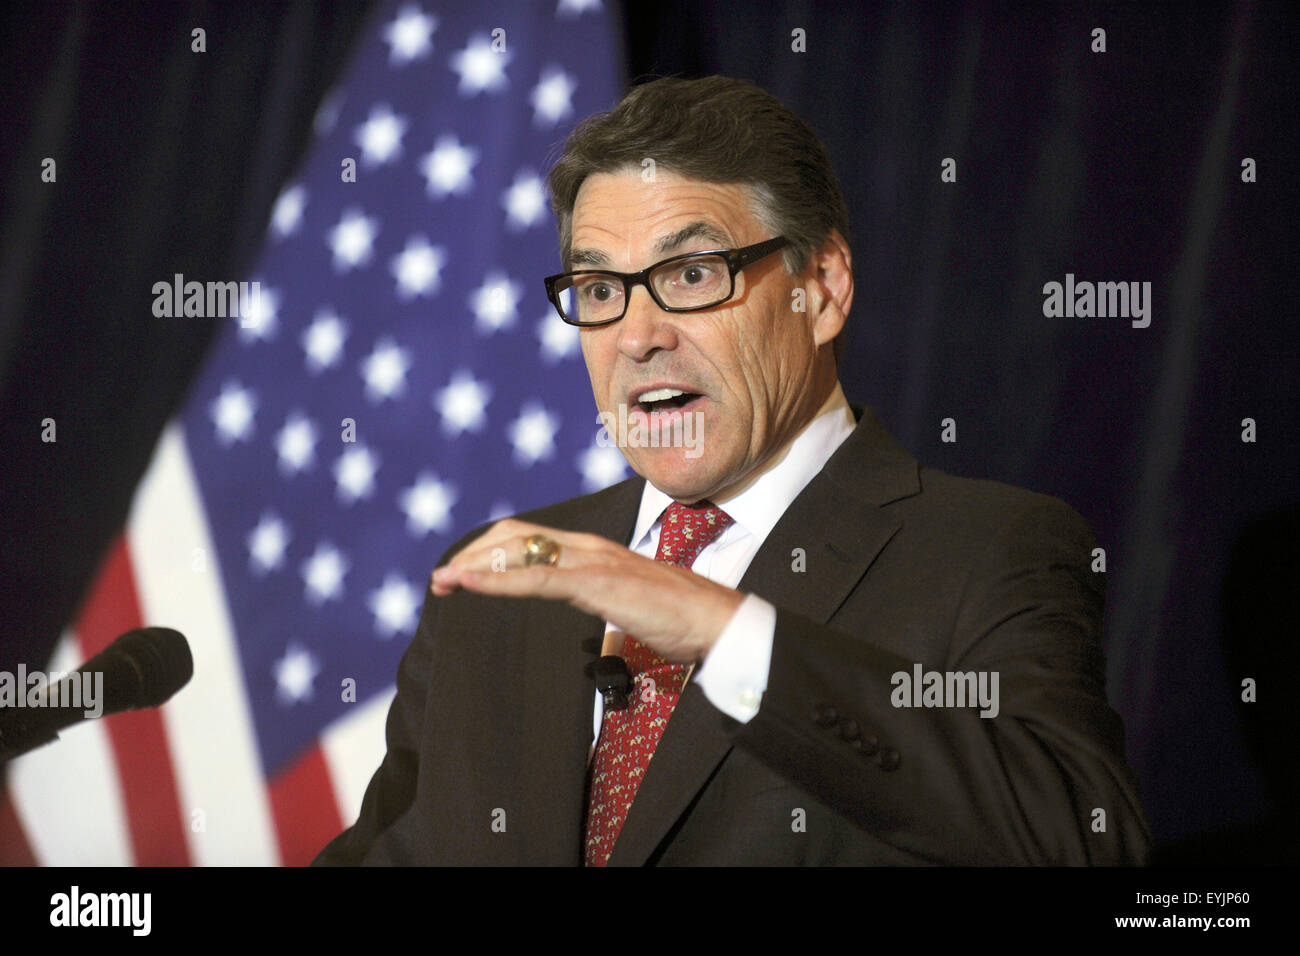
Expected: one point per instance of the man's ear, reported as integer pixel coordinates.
(830, 276)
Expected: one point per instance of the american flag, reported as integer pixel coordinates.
(400, 379)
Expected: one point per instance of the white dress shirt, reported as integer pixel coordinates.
(734, 675)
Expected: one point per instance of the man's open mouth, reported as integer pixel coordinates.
(665, 400)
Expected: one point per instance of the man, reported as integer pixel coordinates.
(776, 589)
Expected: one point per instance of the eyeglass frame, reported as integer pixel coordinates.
(736, 260)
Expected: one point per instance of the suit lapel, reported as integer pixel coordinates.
(557, 706)
(838, 522)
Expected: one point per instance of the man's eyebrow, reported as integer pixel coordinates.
(670, 243)
(695, 230)
(587, 257)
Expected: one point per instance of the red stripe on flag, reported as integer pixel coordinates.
(305, 809)
(138, 738)
(14, 849)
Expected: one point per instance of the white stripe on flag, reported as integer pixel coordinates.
(224, 803)
(66, 794)
(354, 747)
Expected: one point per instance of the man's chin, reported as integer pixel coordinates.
(680, 473)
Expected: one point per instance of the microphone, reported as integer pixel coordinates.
(610, 675)
(142, 668)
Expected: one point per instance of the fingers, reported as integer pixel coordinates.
(502, 548)
(524, 582)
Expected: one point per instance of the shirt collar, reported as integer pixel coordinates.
(759, 506)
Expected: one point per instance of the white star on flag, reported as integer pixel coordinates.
(552, 97)
(574, 8)
(323, 340)
(380, 136)
(533, 434)
(295, 445)
(266, 544)
(294, 675)
(352, 240)
(416, 268)
(286, 216)
(232, 412)
(448, 168)
(385, 370)
(428, 505)
(480, 67)
(494, 303)
(410, 35)
(462, 404)
(525, 201)
(559, 339)
(394, 606)
(323, 573)
(322, 123)
(259, 314)
(354, 474)
(601, 467)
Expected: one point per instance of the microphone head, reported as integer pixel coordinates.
(143, 668)
(609, 673)
(165, 660)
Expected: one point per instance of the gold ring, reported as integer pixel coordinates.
(539, 549)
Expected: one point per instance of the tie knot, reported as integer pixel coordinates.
(687, 530)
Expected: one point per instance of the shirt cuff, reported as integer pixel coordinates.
(734, 675)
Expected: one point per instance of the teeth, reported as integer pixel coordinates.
(659, 394)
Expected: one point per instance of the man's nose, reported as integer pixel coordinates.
(645, 327)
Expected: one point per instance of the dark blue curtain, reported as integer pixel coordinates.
(1117, 166)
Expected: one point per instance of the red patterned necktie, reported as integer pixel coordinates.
(628, 737)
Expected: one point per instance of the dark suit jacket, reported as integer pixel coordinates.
(489, 732)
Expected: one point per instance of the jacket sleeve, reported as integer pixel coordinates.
(1042, 782)
(391, 790)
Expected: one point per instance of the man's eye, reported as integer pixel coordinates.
(695, 274)
(596, 290)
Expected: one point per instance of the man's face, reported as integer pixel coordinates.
(750, 361)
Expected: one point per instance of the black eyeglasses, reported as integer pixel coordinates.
(688, 283)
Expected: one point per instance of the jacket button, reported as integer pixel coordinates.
(848, 729)
(889, 759)
(825, 715)
(866, 746)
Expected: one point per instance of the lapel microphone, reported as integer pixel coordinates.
(609, 673)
